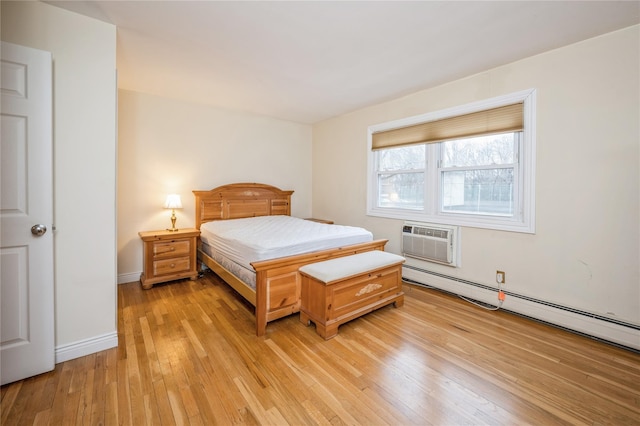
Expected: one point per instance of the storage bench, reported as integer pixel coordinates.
(338, 290)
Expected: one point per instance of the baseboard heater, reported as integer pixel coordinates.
(586, 314)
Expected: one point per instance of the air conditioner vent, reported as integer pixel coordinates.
(430, 242)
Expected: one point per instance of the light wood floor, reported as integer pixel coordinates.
(187, 354)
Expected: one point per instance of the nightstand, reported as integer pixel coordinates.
(168, 256)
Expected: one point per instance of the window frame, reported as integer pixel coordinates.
(523, 219)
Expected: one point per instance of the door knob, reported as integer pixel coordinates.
(38, 229)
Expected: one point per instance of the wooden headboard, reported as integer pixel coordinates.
(238, 200)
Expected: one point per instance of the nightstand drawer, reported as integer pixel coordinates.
(171, 248)
(171, 266)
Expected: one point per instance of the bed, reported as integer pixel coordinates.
(275, 292)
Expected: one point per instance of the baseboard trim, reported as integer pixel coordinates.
(619, 333)
(129, 278)
(86, 347)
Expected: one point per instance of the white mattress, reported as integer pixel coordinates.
(246, 275)
(269, 237)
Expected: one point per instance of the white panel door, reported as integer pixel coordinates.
(26, 214)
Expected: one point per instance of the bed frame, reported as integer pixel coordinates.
(278, 281)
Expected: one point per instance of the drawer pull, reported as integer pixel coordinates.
(173, 265)
(368, 289)
(172, 249)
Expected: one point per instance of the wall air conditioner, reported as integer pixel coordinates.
(430, 242)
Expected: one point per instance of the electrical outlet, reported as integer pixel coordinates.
(501, 277)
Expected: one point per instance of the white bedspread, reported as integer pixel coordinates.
(269, 237)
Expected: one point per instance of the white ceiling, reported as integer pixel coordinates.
(307, 61)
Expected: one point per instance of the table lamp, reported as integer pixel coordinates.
(173, 202)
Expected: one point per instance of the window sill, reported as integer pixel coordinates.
(483, 222)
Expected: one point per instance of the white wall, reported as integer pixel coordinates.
(168, 146)
(585, 253)
(84, 151)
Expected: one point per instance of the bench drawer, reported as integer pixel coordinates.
(363, 290)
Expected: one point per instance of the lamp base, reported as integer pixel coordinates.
(173, 221)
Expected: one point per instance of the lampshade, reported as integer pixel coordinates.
(173, 202)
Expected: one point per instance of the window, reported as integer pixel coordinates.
(401, 173)
(469, 166)
(480, 175)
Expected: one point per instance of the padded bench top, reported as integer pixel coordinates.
(349, 266)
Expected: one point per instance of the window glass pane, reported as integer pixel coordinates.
(401, 190)
(488, 191)
(479, 151)
(403, 158)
